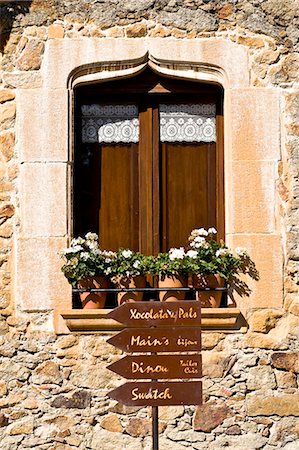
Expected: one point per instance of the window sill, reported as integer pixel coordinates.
(96, 321)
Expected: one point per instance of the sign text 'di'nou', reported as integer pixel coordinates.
(158, 366)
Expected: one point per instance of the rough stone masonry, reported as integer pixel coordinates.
(53, 388)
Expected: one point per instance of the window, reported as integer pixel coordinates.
(148, 163)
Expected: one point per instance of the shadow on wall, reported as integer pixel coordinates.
(238, 285)
(8, 12)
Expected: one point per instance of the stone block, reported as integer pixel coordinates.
(67, 54)
(112, 423)
(55, 31)
(251, 201)
(43, 198)
(6, 95)
(13, 371)
(266, 252)
(47, 372)
(92, 377)
(210, 340)
(3, 420)
(77, 400)
(210, 415)
(259, 377)
(24, 426)
(170, 412)
(7, 115)
(254, 137)
(264, 320)
(214, 363)
(22, 80)
(42, 125)
(260, 340)
(136, 30)
(286, 361)
(139, 427)
(230, 57)
(31, 56)
(40, 284)
(285, 380)
(7, 142)
(285, 430)
(279, 405)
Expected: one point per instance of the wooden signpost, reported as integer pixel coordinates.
(170, 328)
(158, 366)
(156, 393)
(160, 340)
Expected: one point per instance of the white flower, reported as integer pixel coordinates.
(92, 245)
(136, 264)
(92, 236)
(84, 256)
(199, 242)
(241, 251)
(191, 254)
(199, 232)
(212, 230)
(222, 252)
(77, 241)
(199, 239)
(108, 270)
(176, 253)
(75, 249)
(127, 253)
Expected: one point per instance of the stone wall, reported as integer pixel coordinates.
(52, 389)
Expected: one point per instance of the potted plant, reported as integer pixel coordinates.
(129, 270)
(211, 264)
(86, 266)
(171, 270)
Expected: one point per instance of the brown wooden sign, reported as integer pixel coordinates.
(138, 314)
(156, 393)
(158, 366)
(170, 339)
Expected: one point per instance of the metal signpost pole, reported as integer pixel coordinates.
(155, 427)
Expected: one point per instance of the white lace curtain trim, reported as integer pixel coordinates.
(188, 123)
(120, 124)
(110, 123)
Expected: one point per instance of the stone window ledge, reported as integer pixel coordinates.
(96, 321)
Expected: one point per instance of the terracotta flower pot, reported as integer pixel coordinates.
(134, 282)
(208, 299)
(93, 300)
(172, 282)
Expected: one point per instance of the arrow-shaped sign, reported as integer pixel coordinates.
(138, 314)
(159, 393)
(170, 339)
(158, 366)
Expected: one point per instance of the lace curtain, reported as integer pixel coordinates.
(120, 124)
(110, 123)
(188, 123)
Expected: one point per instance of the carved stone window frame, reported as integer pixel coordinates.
(46, 153)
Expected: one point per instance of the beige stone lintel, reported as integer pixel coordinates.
(218, 319)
